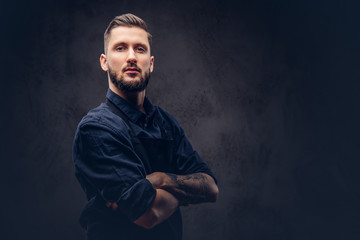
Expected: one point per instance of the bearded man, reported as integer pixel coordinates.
(132, 158)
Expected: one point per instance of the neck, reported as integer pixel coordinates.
(135, 98)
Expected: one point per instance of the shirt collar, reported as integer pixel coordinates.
(130, 110)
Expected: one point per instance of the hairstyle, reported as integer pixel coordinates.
(127, 20)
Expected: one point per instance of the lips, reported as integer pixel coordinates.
(132, 70)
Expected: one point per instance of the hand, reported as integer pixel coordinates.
(157, 179)
(113, 205)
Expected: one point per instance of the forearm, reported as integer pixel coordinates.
(163, 206)
(192, 188)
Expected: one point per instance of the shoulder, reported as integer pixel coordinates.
(101, 133)
(102, 118)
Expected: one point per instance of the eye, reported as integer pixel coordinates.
(120, 48)
(140, 49)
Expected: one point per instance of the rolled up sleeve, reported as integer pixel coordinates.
(107, 166)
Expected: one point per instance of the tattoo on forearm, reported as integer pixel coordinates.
(190, 189)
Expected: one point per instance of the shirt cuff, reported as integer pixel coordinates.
(137, 199)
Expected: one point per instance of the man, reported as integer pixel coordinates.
(133, 159)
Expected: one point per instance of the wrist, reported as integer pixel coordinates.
(170, 181)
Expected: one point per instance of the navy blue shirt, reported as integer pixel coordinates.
(109, 169)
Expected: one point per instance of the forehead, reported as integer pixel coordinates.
(130, 35)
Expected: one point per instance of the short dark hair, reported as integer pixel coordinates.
(127, 20)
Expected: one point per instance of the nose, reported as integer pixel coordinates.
(131, 58)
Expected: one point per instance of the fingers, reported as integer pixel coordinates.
(156, 179)
(113, 205)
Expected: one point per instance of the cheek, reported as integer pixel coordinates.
(146, 64)
(116, 62)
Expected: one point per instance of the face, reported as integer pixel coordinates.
(128, 61)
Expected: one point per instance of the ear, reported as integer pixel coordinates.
(151, 63)
(103, 62)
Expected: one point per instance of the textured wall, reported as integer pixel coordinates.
(267, 92)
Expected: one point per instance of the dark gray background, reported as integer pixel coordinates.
(267, 92)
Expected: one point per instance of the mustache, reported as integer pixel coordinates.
(131, 67)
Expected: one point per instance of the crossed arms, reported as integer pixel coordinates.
(105, 163)
(173, 191)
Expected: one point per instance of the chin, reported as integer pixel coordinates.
(129, 78)
(132, 80)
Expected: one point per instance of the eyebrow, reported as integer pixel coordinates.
(126, 44)
(120, 43)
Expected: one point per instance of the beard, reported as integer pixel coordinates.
(129, 86)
